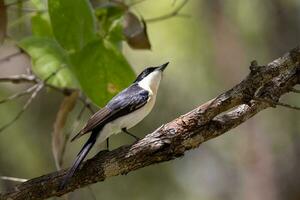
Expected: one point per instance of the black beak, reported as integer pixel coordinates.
(163, 67)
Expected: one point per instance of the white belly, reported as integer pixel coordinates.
(127, 121)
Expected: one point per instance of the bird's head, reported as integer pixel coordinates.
(151, 76)
(150, 71)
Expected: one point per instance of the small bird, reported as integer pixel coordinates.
(121, 113)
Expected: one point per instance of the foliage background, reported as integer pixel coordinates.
(209, 52)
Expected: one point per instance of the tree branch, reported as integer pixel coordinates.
(173, 139)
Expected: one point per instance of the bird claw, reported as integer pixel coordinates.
(132, 135)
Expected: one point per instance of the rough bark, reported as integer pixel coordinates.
(186, 132)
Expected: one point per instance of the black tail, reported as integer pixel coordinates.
(80, 157)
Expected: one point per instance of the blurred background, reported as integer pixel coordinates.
(210, 47)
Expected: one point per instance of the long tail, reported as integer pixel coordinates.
(80, 157)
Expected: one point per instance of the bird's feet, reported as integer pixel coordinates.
(128, 133)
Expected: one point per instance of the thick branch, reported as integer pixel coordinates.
(174, 138)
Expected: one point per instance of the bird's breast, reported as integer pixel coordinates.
(130, 120)
(127, 121)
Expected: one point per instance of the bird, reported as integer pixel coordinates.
(122, 112)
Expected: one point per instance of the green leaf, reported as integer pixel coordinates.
(47, 58)
(108, 13)
(72, 22)
(102, 71)
(110, 17)
(115, 34)
(40, 25)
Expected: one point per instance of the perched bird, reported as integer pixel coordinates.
(122, 112)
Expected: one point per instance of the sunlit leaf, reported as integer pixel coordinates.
(109, 15)
(102, 71)
(109, 11)
(115, 34)
(72, 22)
(47, 58)
(40, 25)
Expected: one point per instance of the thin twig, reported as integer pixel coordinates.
(288, 106)
(22, 78)
(7, 178)
(87, 104)
(39, 85)
(35, 92)
(274, 104)
(30, 78)
(169, 15)
(92, 193)
(295, 90)
(10, 56)
(20, 94)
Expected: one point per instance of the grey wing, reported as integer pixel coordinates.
(97, 119)
(127, 101)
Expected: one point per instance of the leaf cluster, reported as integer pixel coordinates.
(85, 41)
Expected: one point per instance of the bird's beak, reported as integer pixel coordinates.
(163, 67)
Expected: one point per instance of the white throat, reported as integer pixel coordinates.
(151, 82)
